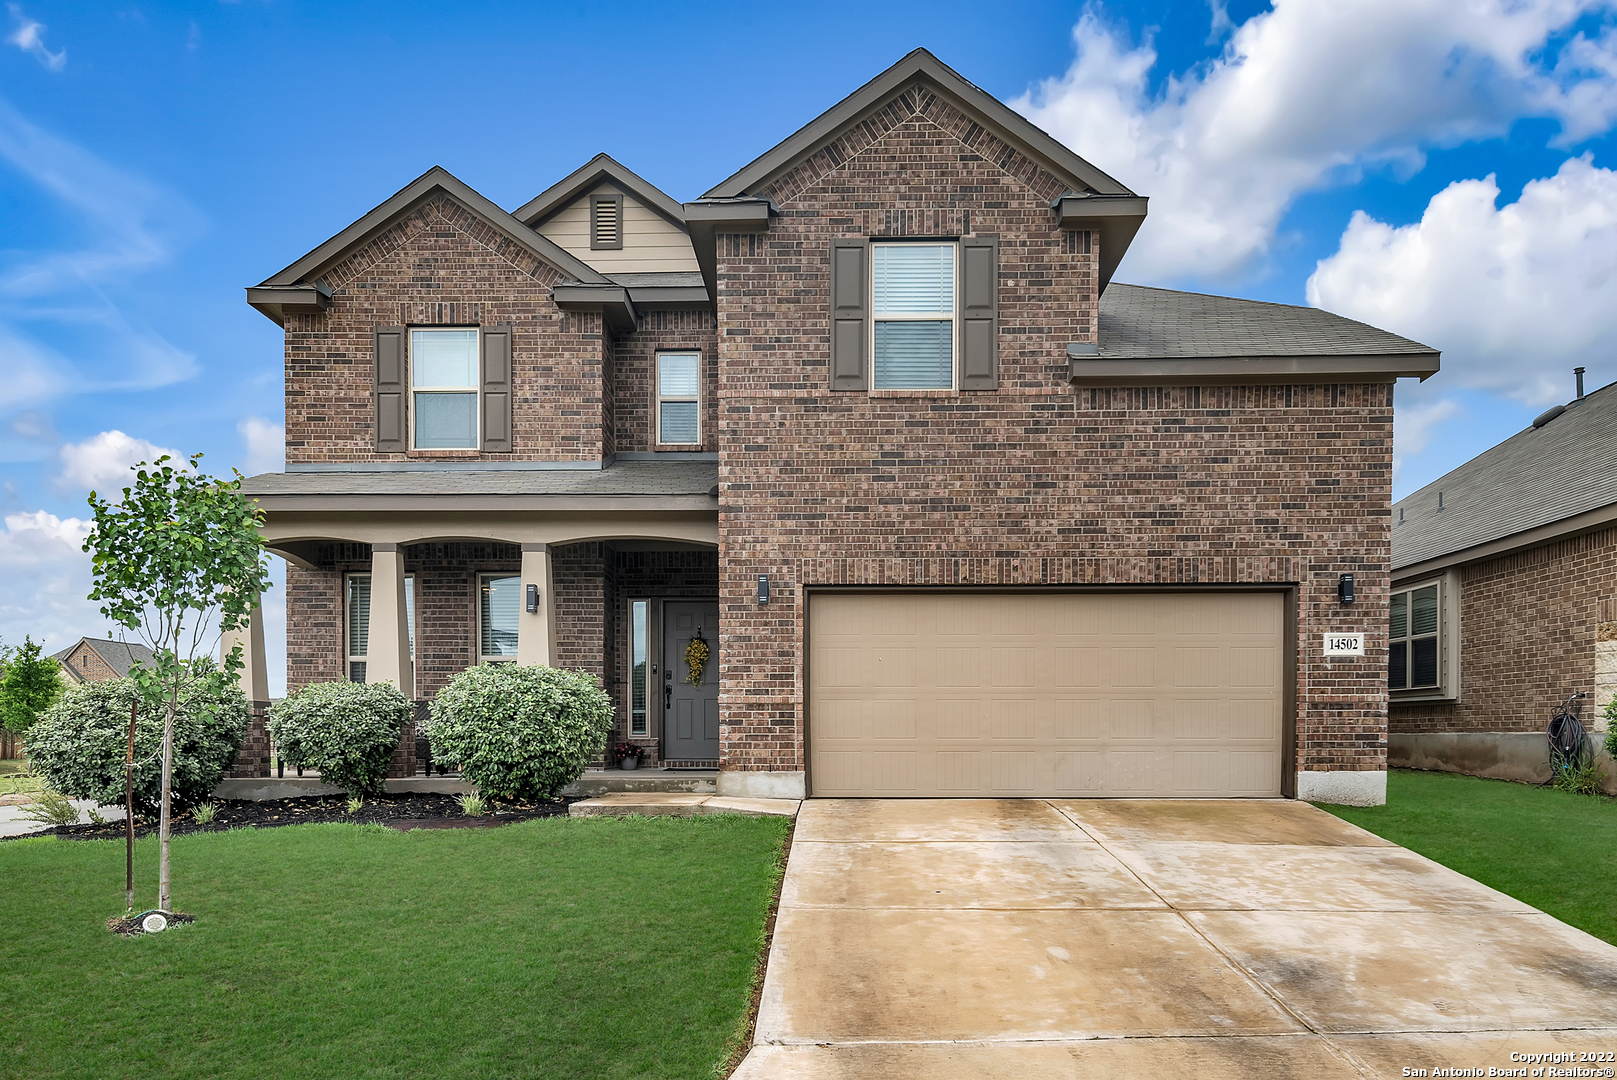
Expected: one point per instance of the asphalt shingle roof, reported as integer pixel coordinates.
(120, 656)
(620, 478)
(1137, 322)
(1536, 477)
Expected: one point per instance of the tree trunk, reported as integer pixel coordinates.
(162, 825)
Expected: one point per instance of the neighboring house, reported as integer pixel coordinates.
(1505, 595)
(99, 659)
(957, 514)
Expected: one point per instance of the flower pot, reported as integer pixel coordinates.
(629, 762)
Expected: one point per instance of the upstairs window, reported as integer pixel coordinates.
(443, 385)
(913, 293)
(679, 398)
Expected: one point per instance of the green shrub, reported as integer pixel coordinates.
(519, 732)
(348, 731)
(78, 747)
(1611, 728)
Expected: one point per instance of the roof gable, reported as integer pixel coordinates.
(598, 170)
(435, 181)
(920, 65)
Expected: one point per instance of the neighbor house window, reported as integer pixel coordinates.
(498, 606)
(679, 398)
(357, 622)
(639, 651)
(913, 302)
(1414, 655)
(443, 388)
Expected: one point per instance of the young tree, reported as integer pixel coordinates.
(178, 560)
(31, 685)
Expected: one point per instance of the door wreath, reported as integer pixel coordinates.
(696, 654)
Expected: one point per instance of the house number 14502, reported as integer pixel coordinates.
(1344, 644)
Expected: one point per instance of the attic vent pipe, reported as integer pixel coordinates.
(1440, 500)
(1578, 371)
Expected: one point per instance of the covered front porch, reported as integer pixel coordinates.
(390, 586)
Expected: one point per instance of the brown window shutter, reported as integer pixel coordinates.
(979, 313)
(850, 315)
(390, 390)
(497, 388)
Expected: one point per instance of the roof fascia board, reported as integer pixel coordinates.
(407, 199)
(612, 300)
(482, 504)
(596, 170)
(278, 301)
(1589, 521)
(706, 219)
(1004, 120)
(1116, 218)
(1248, 371)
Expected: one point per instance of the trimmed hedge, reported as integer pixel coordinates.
(79, 745)
(519, 732)
(346, 730)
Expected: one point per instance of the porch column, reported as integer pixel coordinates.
(389, 653)
(253, 758)
(536, 630)
(254, 677)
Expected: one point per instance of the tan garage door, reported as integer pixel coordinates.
(1045, 694)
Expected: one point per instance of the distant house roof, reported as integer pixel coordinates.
(120, 656)
(1539, 483)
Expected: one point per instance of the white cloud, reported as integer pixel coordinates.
(47, 578)
(266, 445)
(1308, 93)
(30, 38)
(1515, 296)
(1412, 428)
(102, 463)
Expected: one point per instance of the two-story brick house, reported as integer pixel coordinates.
(957, 514)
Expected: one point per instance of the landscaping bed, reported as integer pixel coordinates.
(415, 810)
(1552, 849)
(579, 948)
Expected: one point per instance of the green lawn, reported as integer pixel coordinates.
(553, 948)
(1550, 849)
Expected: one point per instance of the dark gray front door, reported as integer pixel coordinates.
(691, 719)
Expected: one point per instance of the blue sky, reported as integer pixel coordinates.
(156, 158)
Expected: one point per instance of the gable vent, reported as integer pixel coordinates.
(606, 221)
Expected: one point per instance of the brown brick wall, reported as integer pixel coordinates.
(634, 356)
(442, 266)
(1528, 626)
(1027, 485)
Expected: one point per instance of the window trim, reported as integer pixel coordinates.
(877, 318)
(349, 656)
(596, 199)
(476, 389)
(651, 667)
(1448, 639)
(483, 577)
(657, 397)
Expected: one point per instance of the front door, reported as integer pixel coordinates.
(691, 710)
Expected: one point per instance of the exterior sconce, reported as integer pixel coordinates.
(1344, 588)
(533, 600)
(763, 590)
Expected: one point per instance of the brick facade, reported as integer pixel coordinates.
(1030, 484)
(1530, 630)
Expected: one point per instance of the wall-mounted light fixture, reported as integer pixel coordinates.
(533, 600)
(763, 589)
(1344, 588)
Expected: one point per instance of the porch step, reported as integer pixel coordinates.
(604, 781)
(667, 804)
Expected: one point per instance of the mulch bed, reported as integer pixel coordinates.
(412, 811)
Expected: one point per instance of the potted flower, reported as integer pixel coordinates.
(628, 755)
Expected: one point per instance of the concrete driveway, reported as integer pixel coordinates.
(1027, 939)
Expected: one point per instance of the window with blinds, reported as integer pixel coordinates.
(913, 292)
(444, 387)
(1413, 639)
(499, 603)
(679, 398)
(357, 621)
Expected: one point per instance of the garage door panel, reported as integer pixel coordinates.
(970, 694)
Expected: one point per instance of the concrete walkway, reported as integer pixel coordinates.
(1027, 938)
